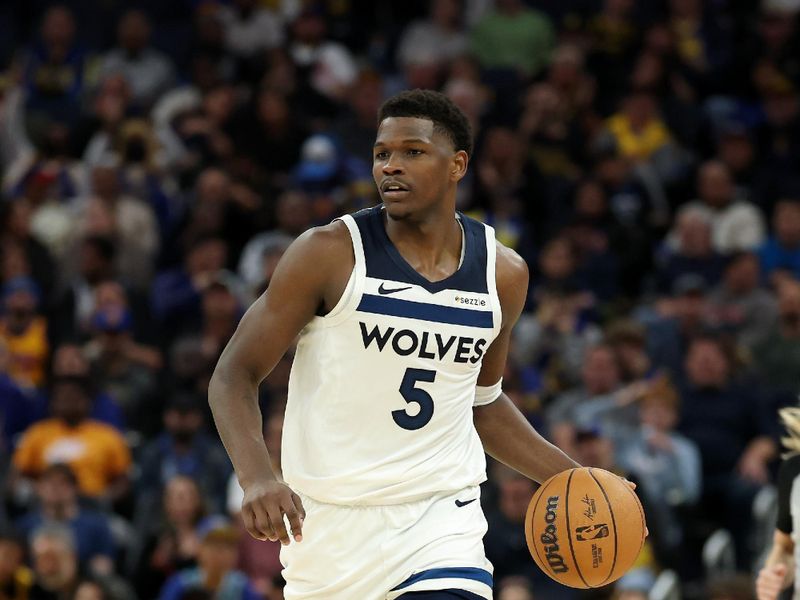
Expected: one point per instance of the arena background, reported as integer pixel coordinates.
(157, 157)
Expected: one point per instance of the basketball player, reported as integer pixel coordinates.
(404, 313)
(779, 570)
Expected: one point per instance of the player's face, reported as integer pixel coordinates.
(414, 166)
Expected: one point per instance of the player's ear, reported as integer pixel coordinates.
(458, 167)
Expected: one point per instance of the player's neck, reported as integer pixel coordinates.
(428, 244)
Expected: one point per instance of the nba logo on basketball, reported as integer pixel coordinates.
(591, 532)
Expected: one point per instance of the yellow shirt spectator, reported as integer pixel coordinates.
(638, 144)
(28, 352)
(96, 452)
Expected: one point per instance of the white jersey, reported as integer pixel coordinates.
(382, 387)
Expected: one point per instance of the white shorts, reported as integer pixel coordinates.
(382, 552)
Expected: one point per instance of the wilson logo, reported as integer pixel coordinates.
(549, 538)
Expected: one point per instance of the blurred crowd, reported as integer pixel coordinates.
(157, 158)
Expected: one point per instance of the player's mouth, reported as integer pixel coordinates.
(394, 190)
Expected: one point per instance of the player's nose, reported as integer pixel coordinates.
(392, 167)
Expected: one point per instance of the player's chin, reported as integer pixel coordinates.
(397, 209)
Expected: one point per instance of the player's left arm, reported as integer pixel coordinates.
(505, 432)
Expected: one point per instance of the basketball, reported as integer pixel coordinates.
(585, 527)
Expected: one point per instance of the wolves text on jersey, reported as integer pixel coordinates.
(405, 342)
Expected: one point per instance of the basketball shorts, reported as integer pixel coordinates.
(383, 552)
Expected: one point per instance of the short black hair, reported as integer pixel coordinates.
(434, 106)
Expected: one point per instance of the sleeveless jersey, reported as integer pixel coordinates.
(382, 387)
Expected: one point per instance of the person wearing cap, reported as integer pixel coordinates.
(97, 453)
(215, 573)
(24, 332)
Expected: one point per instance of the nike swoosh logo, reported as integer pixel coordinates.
(459, 503)
(382, 290)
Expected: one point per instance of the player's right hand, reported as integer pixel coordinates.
(263, 507)
(770, 582)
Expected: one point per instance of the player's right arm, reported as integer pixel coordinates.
(309, 278)
(778, 571)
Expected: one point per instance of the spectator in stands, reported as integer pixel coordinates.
(736, 223)
(269, 135)
(331, 67)
(15, 578)
(176, 293)
(54, 71)
(128, 220)
(775, 358)
(355, 126)
(57, 571)
(513, 37)
(55, 563)
(24, 332)
(70, 360)
(123, 369)
(184, 448)
(739, 305)
(674, 320)
(554, 339)
(170, 542)
(736, 451)
(76, 305)
(216, 565)
(780, 254)
(629, 341)
(426, 46)
(18, 409)
(666, 467)
(57, 494)
(148, 71)
(16, 230)
(96, 452)
(637, 132)
(222, 307)
(250, 28)
(600, 380)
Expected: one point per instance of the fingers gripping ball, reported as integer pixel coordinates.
(585, 527)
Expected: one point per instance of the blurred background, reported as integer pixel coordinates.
(157, 158)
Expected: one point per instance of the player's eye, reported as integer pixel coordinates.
(415, 152)
(381, 155)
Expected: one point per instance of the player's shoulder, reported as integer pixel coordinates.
(511, 277)
(510, 267)
(324, 242)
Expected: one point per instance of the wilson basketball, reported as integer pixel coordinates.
(585, 527)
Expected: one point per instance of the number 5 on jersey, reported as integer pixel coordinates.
(414, 395)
